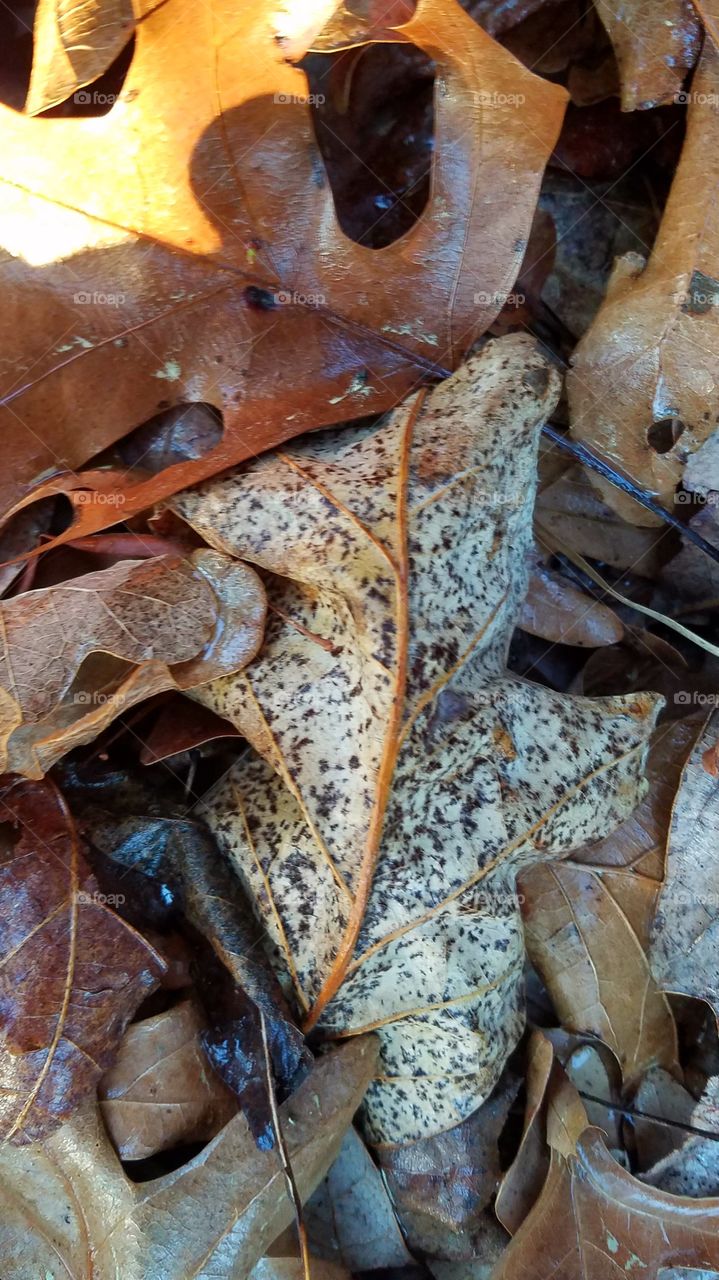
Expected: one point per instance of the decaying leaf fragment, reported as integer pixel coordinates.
(656, 43)
(644, 384)
(177, 273)
(78, 654)
(401, 777)
(212, 1219)
(72, 973)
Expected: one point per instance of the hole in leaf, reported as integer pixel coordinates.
(663, 435)
(374, 122)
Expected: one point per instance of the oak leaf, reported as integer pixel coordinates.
(655, 336)
(212, 1219)
(199, 256)
(401, 777)
(594, 1220)
(77, 654)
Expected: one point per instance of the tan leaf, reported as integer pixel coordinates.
(686, 926)
(656, 42)
(76, 655)
(199, 257)
(557, 611)
(554, 1117)
(655, 337)
(594, 1220)
(213, 1219)
(594, 966)
(161, 1090)
(402, 777)
(74, 42)
(72, 972)
(571, 512)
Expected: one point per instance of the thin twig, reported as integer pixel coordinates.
(292, 1191)
(632, 1112)
(590, 459)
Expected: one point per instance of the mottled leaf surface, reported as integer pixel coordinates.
(401, 777)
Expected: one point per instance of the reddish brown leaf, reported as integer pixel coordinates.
(73, 972)
(201, 258)
(594, 1220)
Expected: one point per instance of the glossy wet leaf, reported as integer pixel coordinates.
(401, 777)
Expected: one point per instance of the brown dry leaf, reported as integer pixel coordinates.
(380, 707)
(65, 672)
(656, 43)
(655, 337)
(554, 1117)
(213, 1219)
(594, 1220)
(570, 512)
(73, 972)
(442, 1185)
(202, 260)
(74, 42)
(557, 611)
(594, 967)
(160, 1090)
(588, 922)
(350, 1218)
(686, 926)
(693, 1168)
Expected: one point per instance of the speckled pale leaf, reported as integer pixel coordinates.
(380, 707)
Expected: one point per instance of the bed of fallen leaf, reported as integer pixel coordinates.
(359, 688)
